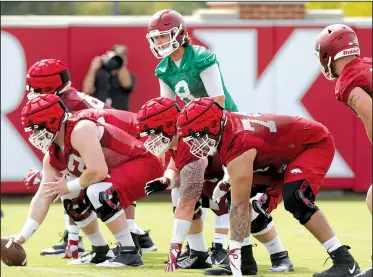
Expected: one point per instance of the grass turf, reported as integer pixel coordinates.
(348, 216)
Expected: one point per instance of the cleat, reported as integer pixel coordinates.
(196, 260)
(59, 249)
(218, 254)
(128, 256)
(281, 262)
(344, 264)
(248, 265)
(146, 243)
(99, 254)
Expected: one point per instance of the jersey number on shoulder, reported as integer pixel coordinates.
(182, 90)
(248, 124)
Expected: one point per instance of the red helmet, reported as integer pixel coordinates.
(43, 116)
(49, 76)
(200, 126)
(334, 42)
(157, 119)
(166, 22)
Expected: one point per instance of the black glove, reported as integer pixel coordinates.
(157, 185)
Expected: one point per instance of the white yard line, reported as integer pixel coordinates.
(69, 272)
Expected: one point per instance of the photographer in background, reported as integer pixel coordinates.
(108, 78)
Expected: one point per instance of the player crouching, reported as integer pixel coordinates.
(297, 150)
(157, 121)
(95, 168)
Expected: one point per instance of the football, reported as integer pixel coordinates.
(12, 253)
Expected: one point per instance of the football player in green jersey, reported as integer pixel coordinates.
(191, 71)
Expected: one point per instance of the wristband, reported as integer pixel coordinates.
(74, 185)
(29, 228)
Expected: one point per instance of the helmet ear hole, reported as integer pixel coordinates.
(325, 55)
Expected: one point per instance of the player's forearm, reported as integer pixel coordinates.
(92, 176)
(38, 210)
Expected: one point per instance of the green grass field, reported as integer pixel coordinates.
(348, 216)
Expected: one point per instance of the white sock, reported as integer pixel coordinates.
(222, 239)
(274, 246)
(67, 220)
(196, 242)
(180, 230)
(332, 244)
(204, 214)
(221, 221)
(96, 239)
(134, 228)
(124, 238)
(233, 244)
(246, 241)
(73, 232)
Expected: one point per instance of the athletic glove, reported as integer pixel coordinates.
(157, 185)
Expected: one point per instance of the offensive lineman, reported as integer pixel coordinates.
(90, 163)
(296, 151)
(337, 49)
(51, 76)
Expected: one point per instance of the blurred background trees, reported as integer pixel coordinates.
(148, 8)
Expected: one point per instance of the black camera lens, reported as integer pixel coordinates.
(111, 61)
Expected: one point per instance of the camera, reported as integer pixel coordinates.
(111, 61)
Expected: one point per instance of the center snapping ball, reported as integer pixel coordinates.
(12, 253)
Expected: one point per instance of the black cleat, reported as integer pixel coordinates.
(344, 264)
(59, 249)
(196, 260)
(366, 273)
(99, 254)
(248, 264)
(146, 243)
(281, 262)
(135, 238)
(218, 254)
(185, 254)
(128, 256)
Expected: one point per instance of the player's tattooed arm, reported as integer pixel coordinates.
(239, 222)
(361, 103)
(191, 180)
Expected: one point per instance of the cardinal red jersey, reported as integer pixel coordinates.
(357, 73)
(278, 139)
(77, 101)
(118, 146)
(183, 157)
(126, 121)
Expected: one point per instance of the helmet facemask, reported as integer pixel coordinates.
(165, 49)
(201, 146)
(42, 139)
(156, 143)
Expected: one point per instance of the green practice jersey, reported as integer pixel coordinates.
(185, 80)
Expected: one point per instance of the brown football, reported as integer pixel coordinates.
(12, 253)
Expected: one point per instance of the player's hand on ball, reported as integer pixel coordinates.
(220, 190)
(32, 178)
(157, 185)
(56, 189)
(173, 256)
(17, 238)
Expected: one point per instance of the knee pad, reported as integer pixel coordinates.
(104, 199)
(78, 207)
(299, 200)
